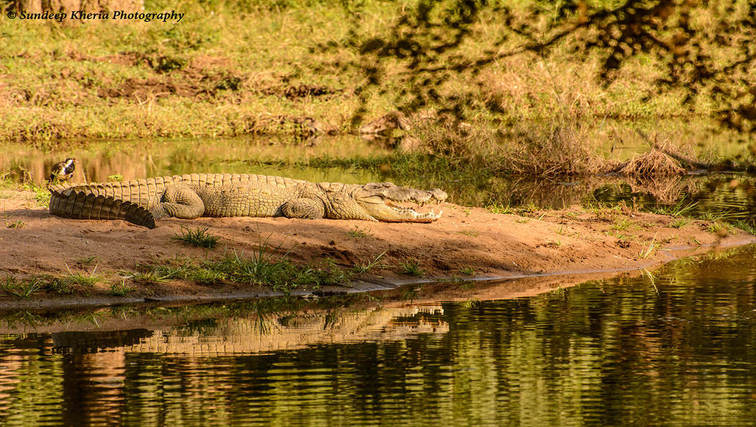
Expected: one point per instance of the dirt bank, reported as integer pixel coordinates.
(464, 243)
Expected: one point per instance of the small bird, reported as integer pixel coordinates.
(63, 171)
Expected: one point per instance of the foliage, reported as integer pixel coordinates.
(72, 283)
(259, 269)
(703, 49)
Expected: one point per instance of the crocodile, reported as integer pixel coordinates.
(143, 201)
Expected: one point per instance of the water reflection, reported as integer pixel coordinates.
(675, 350)
(107, 161)
(731, 196)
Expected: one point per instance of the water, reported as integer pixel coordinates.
(730, 197)
(675, 347)
(106, 161)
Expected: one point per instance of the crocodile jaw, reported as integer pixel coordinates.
(386, 213)
(382, 202)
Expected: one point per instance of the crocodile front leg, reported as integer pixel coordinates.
(179, 201)
(303, 208)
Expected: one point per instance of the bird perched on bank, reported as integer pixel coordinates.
(62, 171)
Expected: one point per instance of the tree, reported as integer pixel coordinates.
(707, 48)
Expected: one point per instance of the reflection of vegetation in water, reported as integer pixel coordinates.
(129, 160)
(29, 319)
(612, 352)
(22, 388)
(350, 160)
(727, 198)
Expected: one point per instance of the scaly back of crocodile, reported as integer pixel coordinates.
(145, 191)
(132, 200)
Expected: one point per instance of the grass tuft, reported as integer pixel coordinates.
(679, 223)
(411, 267)
(745, 226)
(63, 285)
(364, 268)
(358, 233)
(260, 269)
(120, 289)
(681, 208)
(650, 249)
(467, 271)
(498, 208)
(21, 288)
(15, 224)
(198, 237)
(654, 163)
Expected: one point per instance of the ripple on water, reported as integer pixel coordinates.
(679, 350)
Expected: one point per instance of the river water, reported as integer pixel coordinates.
(675, 346)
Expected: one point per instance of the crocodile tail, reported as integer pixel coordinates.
(81, 205)
(57, 188)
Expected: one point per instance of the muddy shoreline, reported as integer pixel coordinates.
(466, 244)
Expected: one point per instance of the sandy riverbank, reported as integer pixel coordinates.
(465, 243)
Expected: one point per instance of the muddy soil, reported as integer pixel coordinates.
(465, 243)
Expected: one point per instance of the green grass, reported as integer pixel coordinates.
(720, 228)
(358, 233)
(650, 249)
(366, 267)
(498, 208)
(622, 224)
(88, 260)
(260, 269)
(21, 288)
(144, 277)
(72, 283)
(104, 81)
(411, 267)
(680, 223)
(197, 237)
(467, 271)
(41, 194)
(120, 289)
(681, 208)
(722, 221)
(745, 226)
(15, 224)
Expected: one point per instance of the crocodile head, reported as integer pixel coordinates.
(383, 202)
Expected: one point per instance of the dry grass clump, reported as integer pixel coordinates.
(654, 163)
(457, 141)
(560, 152)
(529, 151)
